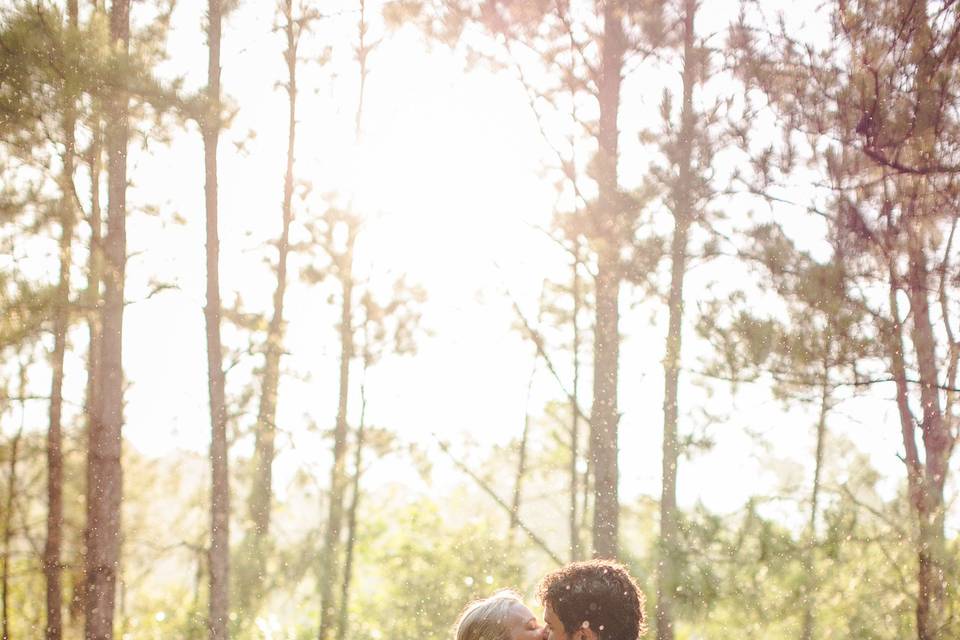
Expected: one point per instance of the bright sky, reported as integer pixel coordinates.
(450, 178)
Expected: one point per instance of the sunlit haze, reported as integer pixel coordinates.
(453, 165)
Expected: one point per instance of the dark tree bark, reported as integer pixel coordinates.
(604, 417)
(61, 322)
(104, 473)
(219, 560)
(667, 569)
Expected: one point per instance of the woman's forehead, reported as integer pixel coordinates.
(522, 611)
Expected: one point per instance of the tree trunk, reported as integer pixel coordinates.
(521, 459)
(338, 473)
(92, 296)
(811, 579)
(261, 494)
(104, 473)
(8, 521)
(668, 569)
(604, 418)
(916, 479)
(524, 436)
(343, 622)
(92, 308)
(219, 560)
(61, 322)
(931, 544)
(585, 509)
(574, 523)
(338, 480)
(363, 51)
(935, 429)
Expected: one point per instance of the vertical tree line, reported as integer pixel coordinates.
(104, 472)
(219, 553)
(261, 491)
(682, 198)
(61, 323)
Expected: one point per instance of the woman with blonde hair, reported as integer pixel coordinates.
(502, 616)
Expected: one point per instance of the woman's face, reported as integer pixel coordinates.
(524, 625)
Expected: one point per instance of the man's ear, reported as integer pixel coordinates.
(585, 633)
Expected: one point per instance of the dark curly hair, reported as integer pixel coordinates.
(598, 593)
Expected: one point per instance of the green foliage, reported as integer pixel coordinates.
(421, 568)
(744, 577)
(810, 335)
(25, 310)
(173, 613)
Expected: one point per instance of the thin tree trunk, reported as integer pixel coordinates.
(895, 349)
(338, 480)
(342, 624)
(936, 433)
(92, 307)
(362, 52)
(61, 322)
(219, 560)
(585, 510)
(521, 458)
(8, 516)
(915, 476)
(575, 409)
(811, 579)
(104, 476)
(667, 569)
(931, 547)
(338, 474)
(604, 418)
(92, 295)
(524, 436)
(261, 495)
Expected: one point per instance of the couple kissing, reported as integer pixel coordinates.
(593, 600)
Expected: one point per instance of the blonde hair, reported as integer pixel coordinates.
(486, 619)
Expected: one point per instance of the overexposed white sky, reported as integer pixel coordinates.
(449, 175)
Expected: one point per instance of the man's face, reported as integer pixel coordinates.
(554, 628)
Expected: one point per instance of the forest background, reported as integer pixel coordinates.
(321, 319)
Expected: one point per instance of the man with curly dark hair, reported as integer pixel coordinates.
(594, 600)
